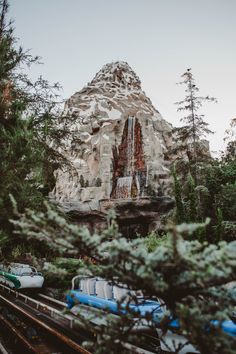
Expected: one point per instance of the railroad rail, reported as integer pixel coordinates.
(48, 319)
(3, 349)
(54, 302)
(48, 314)
(39, 305)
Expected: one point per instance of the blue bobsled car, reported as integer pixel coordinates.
(97, 293)
(101, 294)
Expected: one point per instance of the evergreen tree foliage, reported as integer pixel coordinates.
(219, 179)
(195, 126)
(192, 206)
(215, 191)
(153, 240)
(180, 214)
(188, 275)
(230, 138)
(27, 126)
(219, 226)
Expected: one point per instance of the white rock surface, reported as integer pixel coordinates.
(95, 117)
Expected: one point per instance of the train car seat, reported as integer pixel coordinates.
(99, 288)
(108, 291)
(120, 294)
(91, 286)
(83, 286)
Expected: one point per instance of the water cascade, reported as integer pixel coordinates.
(130, 147)
(129, 172)
(123, 187)
(128, 186)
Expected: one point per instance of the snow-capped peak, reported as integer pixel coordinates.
(118, 73)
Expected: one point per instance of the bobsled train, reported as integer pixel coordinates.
(99, 294)
(20, 276)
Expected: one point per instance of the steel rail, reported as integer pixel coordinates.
(72, 321)
(2, 349)
(69, 342)
(14, 330)
(54, 301)
(54, 313)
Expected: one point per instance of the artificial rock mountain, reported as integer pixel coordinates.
(117, 145)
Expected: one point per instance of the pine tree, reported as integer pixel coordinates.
(182, 273)
(195, 127)
(230, 138)
(192, 200)
(27, 118)
(219, 226)
(180, 215)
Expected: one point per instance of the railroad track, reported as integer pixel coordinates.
(3, 350)
(55, 326)
(54, 302)
(65, 330)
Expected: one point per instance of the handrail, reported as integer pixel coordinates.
(39, 305)
(77, 277)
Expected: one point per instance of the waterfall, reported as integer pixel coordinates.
(130, 146)
(123, 188)
(146, 183)
(126, 185)
(138, 185)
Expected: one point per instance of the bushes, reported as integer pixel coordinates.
(153, 240)
(214, 197)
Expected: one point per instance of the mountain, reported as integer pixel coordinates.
(116, 141)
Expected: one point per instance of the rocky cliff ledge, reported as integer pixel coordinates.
(134, 216)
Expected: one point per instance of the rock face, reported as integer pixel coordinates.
(116, 144)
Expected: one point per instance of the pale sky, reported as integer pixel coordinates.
(159, 39)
